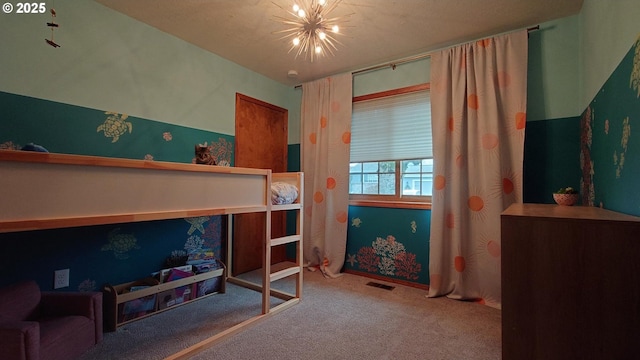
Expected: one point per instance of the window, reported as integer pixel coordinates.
(391, 151)
(372, 178)
(417, 177)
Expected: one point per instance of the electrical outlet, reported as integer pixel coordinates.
(60, 278)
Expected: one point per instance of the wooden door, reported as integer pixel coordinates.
(260, 142)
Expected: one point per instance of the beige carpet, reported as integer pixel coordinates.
(339, 318)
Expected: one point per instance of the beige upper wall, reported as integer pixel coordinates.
(608, 29)
(108, 61)
(570, 59)
(553, 72)
(387, 78)
(111, 62)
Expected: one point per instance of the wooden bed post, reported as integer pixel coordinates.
(266, 259)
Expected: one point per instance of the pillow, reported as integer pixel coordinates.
(283, 193)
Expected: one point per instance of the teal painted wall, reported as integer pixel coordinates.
(551, 151)
(97, 255)
(293, 157)
(293, 164)
(69, 129)
(610, 142)
(393, 243)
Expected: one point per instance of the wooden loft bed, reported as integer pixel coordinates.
(48, 191)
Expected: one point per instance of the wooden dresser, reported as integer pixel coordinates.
(570, 283)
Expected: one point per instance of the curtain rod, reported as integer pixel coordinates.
(393, 65)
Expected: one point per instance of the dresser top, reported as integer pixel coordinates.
(566, 212)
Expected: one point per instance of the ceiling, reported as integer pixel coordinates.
(378, 31)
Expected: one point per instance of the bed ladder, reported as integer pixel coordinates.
(270, 274)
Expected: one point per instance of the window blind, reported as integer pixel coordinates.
(392, 128)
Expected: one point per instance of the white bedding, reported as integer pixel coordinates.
(283, 193)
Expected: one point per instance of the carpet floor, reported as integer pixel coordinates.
(337, 318)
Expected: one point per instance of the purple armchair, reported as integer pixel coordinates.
(38, 325)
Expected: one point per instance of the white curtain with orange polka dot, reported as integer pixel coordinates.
(326, 129)
(478, 101)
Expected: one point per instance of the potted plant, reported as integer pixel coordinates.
(566, 196)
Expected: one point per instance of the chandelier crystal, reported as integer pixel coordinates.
(312, 32)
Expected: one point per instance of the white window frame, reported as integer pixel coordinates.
(396, 200)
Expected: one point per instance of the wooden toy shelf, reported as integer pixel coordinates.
(115, 296)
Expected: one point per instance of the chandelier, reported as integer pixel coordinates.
(312, 32)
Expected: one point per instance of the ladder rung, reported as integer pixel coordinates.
(285, 240)
(284, 273)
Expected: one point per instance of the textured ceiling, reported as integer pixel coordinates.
(378, 31)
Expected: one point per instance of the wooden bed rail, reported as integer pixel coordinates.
(46, 191)
(69, 159)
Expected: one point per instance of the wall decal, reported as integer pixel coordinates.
(120, 244)
(388, 257)
(634, 81)
(586, 163)
(115, 125)
(87, 285)
(618, 159)
(9, 145)
(194, 243)
(213, 235)
(196, 224)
